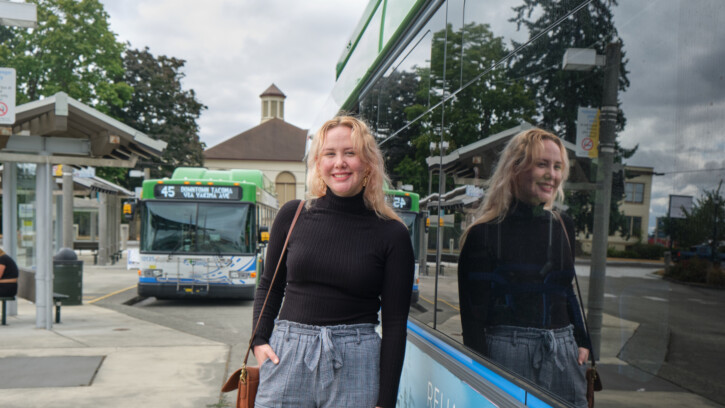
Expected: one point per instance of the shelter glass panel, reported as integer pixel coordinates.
(26, 256)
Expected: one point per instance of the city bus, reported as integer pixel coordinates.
(203, 233)
(406, 205)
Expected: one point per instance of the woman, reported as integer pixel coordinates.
(516, 268)
(8, 275)
(348, 257)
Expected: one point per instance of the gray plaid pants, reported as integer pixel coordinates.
(321, 367)
(547, 358)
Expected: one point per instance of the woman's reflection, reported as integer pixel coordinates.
(516, 268)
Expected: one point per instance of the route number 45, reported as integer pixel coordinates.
(168, 191)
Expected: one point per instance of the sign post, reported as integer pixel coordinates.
(7, 96)
(587, 133)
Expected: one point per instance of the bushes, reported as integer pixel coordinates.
(697, 270)
(716, 276)
(639, 251)
(693, 270)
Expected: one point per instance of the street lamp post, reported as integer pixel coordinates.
(443, 146)
(18, 14)
(608, 123)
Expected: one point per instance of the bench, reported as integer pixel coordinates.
(5, 299)
(57, 301)
(93, 246)
(90, 245)
(26, 290)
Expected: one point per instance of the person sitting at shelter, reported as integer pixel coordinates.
(8, 275)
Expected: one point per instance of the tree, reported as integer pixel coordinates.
(705, 222)
(162, 109)
(386, 109)
(72, 50)
(559, 94)
(492, 103)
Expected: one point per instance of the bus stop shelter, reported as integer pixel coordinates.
(47, 132)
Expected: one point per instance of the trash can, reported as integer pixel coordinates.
(68, 276)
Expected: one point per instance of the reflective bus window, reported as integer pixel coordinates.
(473, 75)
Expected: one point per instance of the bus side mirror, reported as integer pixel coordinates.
(263, 235)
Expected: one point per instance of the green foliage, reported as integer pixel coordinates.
(72, 50)
(694, 270)
(559, 94)
(492, 103)
(639, 251)
(162, 109)
(704, 222)
(716, 276)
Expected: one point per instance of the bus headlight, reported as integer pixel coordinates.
(234, 275)
(152, 273)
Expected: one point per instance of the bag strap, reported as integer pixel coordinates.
(279, 262)
(581, 302)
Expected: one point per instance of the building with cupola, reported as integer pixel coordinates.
(275, 147)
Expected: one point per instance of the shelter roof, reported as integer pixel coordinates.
(74, 133)
(273, 140)
(478, 159)
(97, 184)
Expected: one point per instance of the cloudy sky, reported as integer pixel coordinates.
(235, 49)
(675, 105)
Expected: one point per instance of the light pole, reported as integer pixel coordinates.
(18, 14)
(443, 146)
(608, 123)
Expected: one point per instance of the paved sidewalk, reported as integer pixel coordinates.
(141, 364)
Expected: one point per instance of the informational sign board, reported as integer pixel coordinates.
(7, 96)
(678, 203)
(189, 192)
(86, 172)
(587, 133)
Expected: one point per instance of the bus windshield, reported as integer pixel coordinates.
(197, 228)
(409, 218)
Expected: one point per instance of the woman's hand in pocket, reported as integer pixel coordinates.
(263, 352)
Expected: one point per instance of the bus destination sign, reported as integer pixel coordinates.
(399, 202)
(188, 192)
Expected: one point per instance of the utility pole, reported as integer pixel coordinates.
(608, 123)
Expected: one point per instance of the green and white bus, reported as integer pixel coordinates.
(406, 205)
(203, 233)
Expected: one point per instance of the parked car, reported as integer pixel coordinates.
(703, 251)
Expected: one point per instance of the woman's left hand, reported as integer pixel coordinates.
(583, 355)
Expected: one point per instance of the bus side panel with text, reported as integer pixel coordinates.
(200, 233)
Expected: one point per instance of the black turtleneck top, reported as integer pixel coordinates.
(518, 272)
(343, 264)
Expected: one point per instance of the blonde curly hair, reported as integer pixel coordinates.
(365, 145)
(517, 157)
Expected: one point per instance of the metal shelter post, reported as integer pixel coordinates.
(44, 243)
(67, 209)
(10, 220)
(103, 247)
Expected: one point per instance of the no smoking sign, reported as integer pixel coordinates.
(7, 96)
(587, 143)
